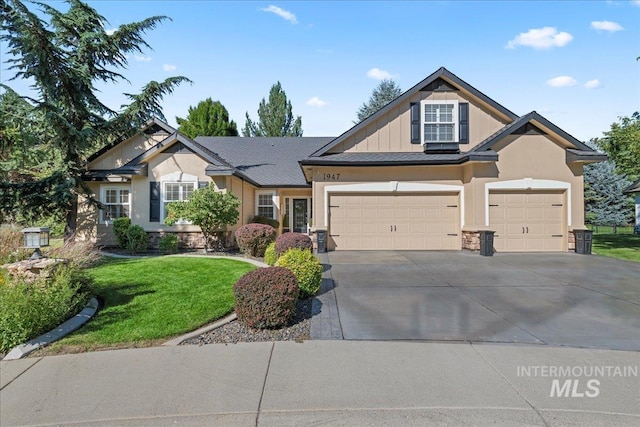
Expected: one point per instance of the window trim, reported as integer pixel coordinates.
(273, 202)
(455, 121)
(175, 178)
(103, 198)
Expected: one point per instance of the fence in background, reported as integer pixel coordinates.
(610, 229)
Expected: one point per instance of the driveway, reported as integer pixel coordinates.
(556, 299)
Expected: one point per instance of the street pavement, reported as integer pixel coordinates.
(342, 383)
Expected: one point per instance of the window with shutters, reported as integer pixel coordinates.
(439, 121)
(116, 201)
(176, 187)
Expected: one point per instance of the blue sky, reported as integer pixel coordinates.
(573, 62)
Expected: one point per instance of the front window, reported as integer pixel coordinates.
(176, 192)
(117, 203)
(439, 121)
(264, 205)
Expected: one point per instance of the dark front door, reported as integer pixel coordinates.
(300, 215)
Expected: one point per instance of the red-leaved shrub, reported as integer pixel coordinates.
(287, 241)
(266, 297)
(253, 239)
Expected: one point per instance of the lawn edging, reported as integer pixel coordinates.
(219, 323)
(61, 331)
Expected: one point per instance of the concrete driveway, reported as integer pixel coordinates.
(561, 299)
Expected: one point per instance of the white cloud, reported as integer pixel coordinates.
(378, 74)
(169, 67)
(636, 2)
(142, 58)
(592, 84)
(316, 102)
(284, 14)
(609, 26)
(110, 31)
(541, 38)
(562, 81)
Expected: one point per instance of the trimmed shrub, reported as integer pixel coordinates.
(168, 244)
(253, 239)
(287, 241)
(264, 220)
(121, 231)
(266, 297)
(307, 269)
(11, 241)
(270, 256)
(29, 309)
(137, 239)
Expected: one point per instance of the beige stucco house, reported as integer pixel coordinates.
(427, 172)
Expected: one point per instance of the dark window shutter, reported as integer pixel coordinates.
(154, 202)
(202, 184)
(463, 123)
(415, 123)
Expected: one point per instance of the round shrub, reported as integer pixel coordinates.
(266, 297)
(253, 239)
(287, 241)
(137, 239)
(270, 256)
(264, 220)
(307, 269)
(168, 244)
(120, 230)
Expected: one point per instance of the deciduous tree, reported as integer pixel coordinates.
(275, 118)
(622, 144)
(208, 118)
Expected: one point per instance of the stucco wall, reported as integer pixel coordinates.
(126, 151)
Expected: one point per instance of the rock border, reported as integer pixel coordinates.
(61, 331)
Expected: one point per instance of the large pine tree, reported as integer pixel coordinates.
(275, 118)
(65, 54)
(386, 91)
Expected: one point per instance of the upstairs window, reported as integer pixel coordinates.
(439, 121)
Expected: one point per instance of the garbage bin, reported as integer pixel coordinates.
(583, 241)
(321, 239)
(486, 242)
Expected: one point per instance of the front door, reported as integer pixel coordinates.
(300, 215)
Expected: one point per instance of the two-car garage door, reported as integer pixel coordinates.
(412, 221)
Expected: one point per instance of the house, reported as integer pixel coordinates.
(635, 189)
(430, 170)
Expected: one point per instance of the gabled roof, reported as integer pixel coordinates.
(268, 161)
(153, 123)
(397, 159)
(441, 73)
(518, 126)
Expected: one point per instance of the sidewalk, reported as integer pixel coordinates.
(318, 382)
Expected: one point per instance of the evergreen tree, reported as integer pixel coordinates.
(208, 118)
(604, 202)
(383, 94)
(275, 118)
(64, 54)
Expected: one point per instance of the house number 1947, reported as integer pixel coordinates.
(331, 176)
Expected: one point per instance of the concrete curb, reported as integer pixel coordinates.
(61, 331)
(203, 330)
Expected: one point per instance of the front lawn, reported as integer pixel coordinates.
(151, 299)
(621, 246)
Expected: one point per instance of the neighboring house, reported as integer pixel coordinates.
(427, 172)
(635, 189)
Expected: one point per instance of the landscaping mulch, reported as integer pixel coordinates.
(234, 332)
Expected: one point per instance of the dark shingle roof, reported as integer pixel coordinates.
(271, 162)
(414, 158)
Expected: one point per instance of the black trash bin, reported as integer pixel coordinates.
(321, 240)
(486, 242)
(583, 241)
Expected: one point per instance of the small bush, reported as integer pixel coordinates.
(168, 244)
(11, 241)
(29, 309)
(137, 239)
(266, 297)
(81, 254)
(264, 220)
(253, 239)
(270, 256)
(307, 269)
(287, 241)
(121, 230)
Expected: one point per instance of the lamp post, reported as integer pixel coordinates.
(36, 238)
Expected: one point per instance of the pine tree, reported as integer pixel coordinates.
(208, 118)
(604, 202)
(275, 118)
(65, 54)
(383, 94)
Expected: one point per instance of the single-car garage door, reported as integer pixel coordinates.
(411, 221)
(532, 221)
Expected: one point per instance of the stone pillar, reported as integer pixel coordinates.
(471, 240)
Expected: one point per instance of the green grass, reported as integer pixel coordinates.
(155, 298)
(621, 246)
